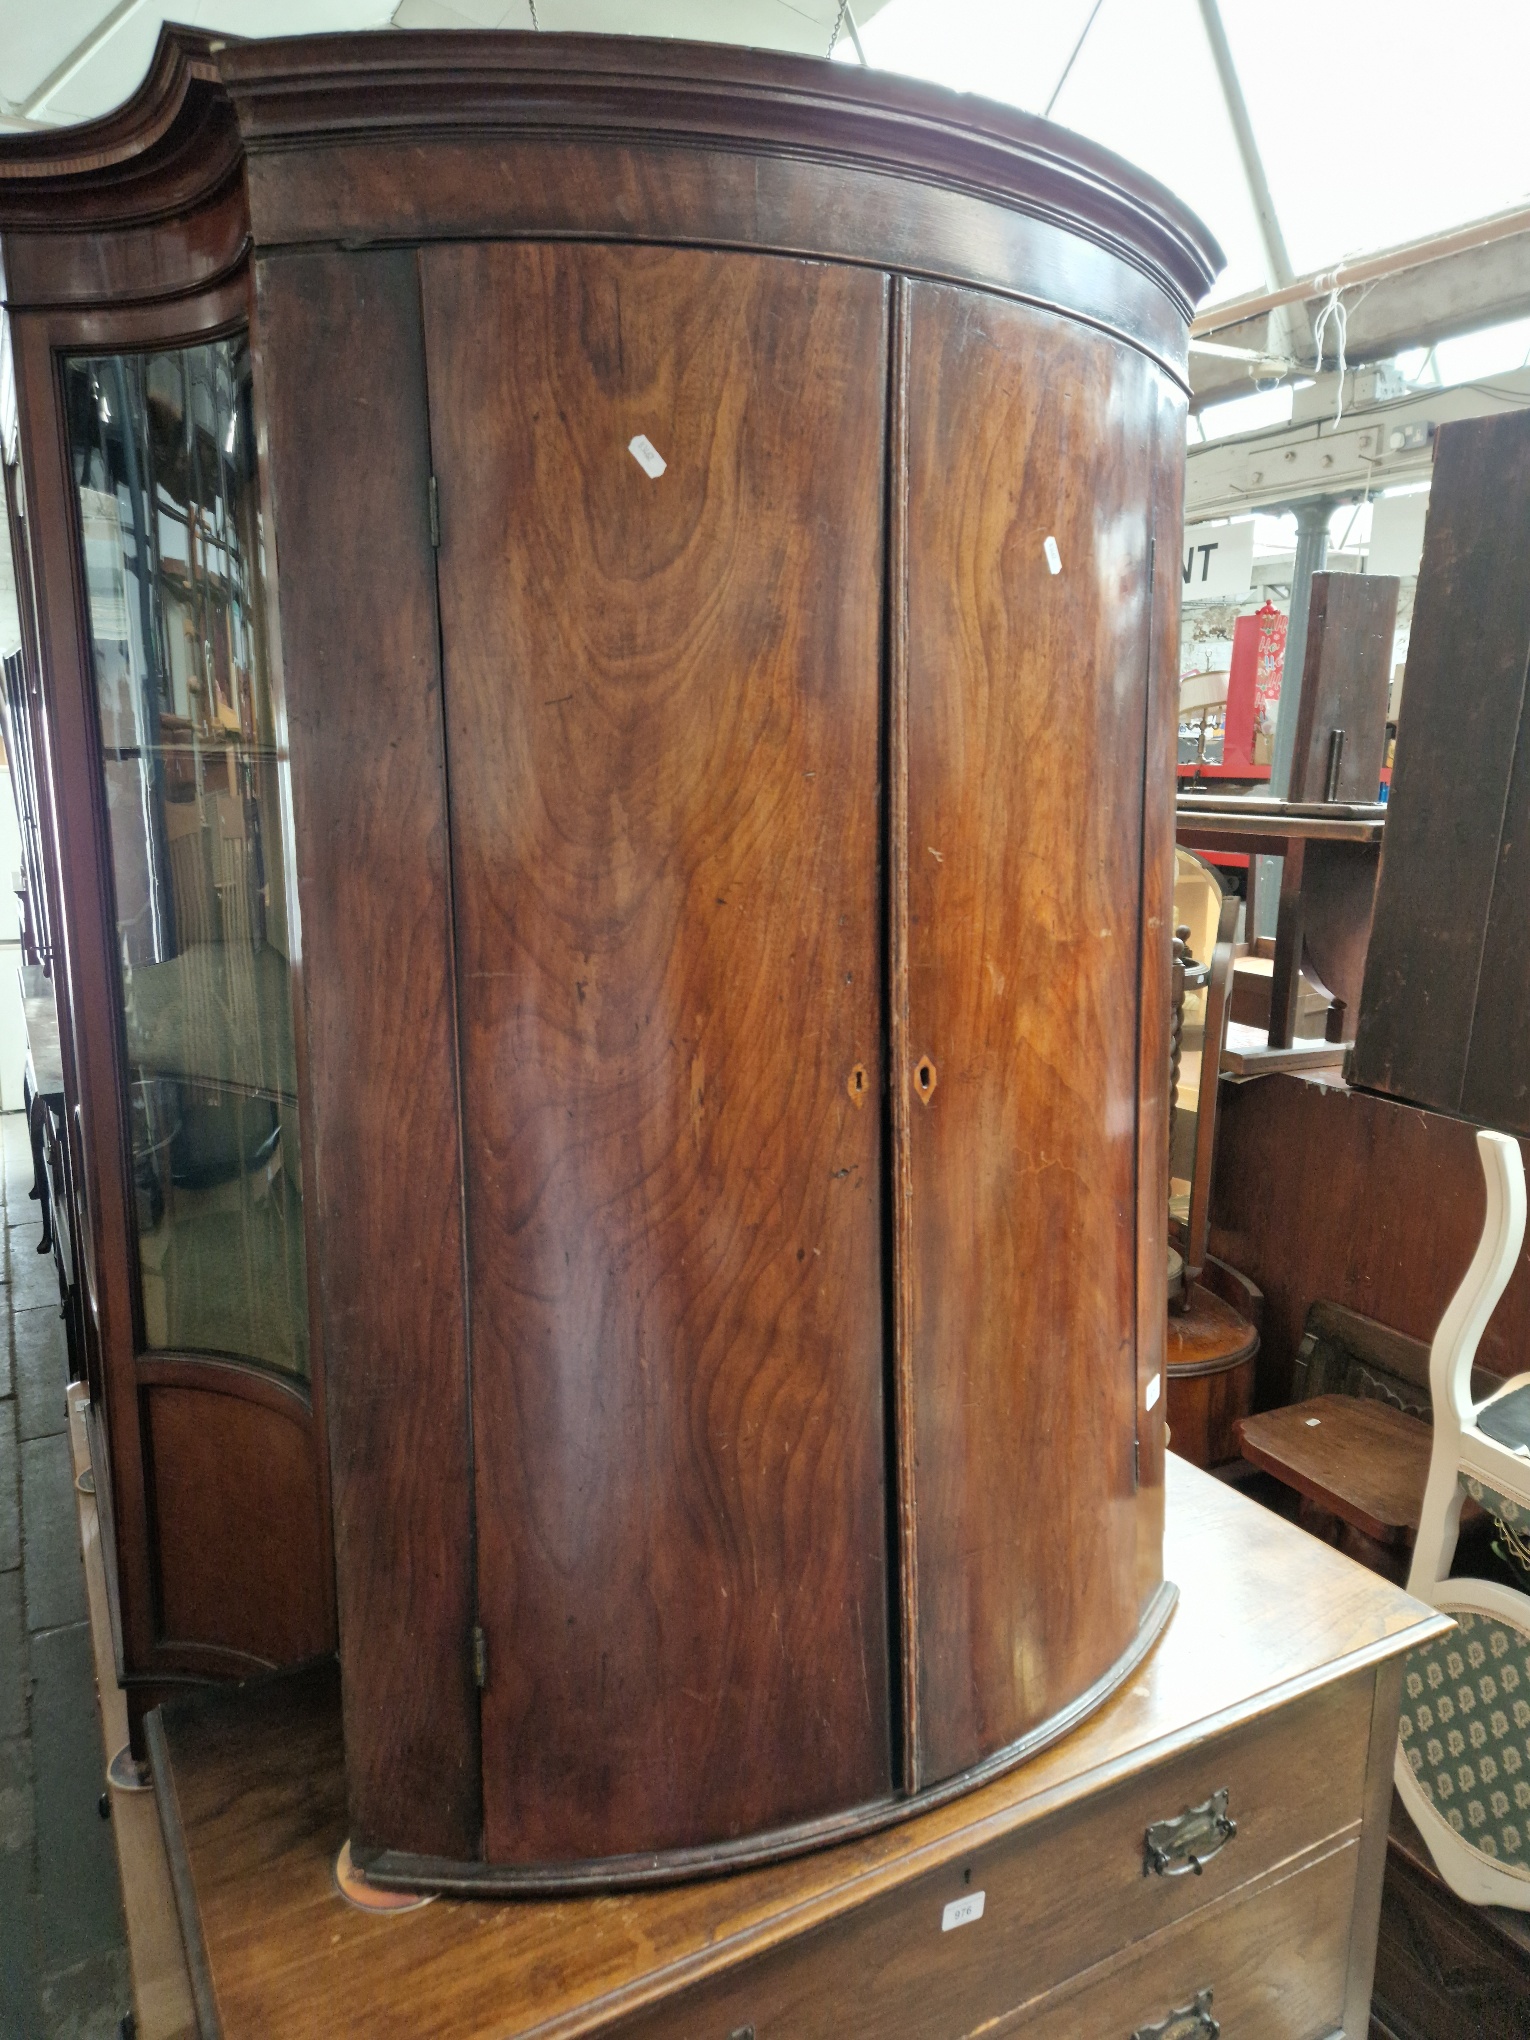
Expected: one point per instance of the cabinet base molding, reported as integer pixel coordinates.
(392, 1870)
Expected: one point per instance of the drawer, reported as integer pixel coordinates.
(1057, 1898)
(1268, 1962)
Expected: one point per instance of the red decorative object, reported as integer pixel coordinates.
(1253, 686)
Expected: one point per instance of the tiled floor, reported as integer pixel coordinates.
(63, 1959)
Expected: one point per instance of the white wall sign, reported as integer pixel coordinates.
(1218, 561)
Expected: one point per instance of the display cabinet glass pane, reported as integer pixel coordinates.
(196, 797)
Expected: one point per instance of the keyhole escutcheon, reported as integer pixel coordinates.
(856, 1084)
(925, 1079)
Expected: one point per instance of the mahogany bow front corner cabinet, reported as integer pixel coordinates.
(604, 628)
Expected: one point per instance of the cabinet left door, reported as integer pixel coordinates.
(189, 777)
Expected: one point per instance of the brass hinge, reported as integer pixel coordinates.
(1136, 1463)
(435, 514)
(480, 1658)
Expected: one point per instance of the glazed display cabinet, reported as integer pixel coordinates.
(605, 629)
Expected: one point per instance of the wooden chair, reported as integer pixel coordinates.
(1212, 1341)
(1353, 1444)
(1463, 1748)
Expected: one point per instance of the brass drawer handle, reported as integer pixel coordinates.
(1190, 2022)
(1170, 1848)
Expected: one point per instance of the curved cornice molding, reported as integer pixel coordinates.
(176, 139)
(174, 143)
(458, 83)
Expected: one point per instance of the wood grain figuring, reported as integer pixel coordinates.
(1261, 1681)
(1274, 1958)
(1023, 965)
(1209, 1336)
(345, 390)
(653, 1090)
(1299, 1158)
(1202, 1411)
(665, 826)
(1450, 896)
(236, 1562)
(1209, 1357)
(1358, 1458)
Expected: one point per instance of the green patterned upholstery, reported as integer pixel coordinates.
(1465, 1730)
(1514, 1514)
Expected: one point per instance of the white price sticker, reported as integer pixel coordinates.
(647, 456)
(961, 1912)
(1054, 557)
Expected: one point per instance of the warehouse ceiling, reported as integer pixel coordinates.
(72, 59)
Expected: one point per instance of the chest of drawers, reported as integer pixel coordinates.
(1062, 1900)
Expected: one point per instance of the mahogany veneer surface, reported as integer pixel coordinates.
(1263, 1678)
(1022, 939)
(731, 1001)
(666, 862)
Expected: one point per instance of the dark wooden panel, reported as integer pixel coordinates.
(662, 711)
(1338, 904)
(1156, 918)
(1345, 678)
(1445, 1968)
(1026, 696)
(660, 190)
(1496, 1088)
(1325, 1194)
(1457, 735)
(238, 1560)
(349, 470)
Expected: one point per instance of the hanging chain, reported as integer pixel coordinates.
(839, 22)
(532, 4)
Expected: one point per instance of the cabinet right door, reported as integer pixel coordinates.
(1027, 519)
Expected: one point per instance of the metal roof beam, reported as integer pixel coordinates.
(1286, 330)
(1268, 219)
(1459, 291)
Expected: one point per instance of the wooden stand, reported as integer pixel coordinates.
(1029, 1903)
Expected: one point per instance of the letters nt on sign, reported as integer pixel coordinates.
(1218, 562)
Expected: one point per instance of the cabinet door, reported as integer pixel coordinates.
(661, 501)
(1028, 479)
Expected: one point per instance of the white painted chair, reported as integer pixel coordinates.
(1463, 1748)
